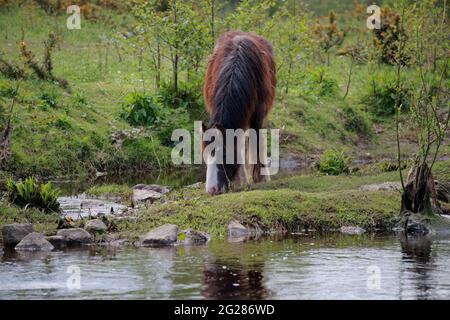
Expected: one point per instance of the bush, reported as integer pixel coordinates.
(321, 83)
(140, 109)
(187, 96)
(354, 121)
(32, 194)
(386, 39)
(334, 163)
(49, 100)
(382, 97)
(390, 166)
(7, 90)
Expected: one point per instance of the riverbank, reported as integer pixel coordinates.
(289, 203)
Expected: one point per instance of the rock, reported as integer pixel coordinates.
(152, 192)
(161, 236)
(195, 237)
(96, 226)
(76, 236)
(416, 227)
(352, 230)
(57, 241)
(237, 230)
(13, 233)
(198, 185)
(34, 242)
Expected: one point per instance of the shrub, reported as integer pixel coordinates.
(187, 96)
(7, 90)
(140, 109)
(390, 166)
(386, 39)
(321, 83)
(382, 96)
(334, 163)
(49, 100)
(354, 121)
(33, 194)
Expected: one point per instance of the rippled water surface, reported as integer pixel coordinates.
(301, 267)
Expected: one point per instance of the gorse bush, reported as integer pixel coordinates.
(387, 38)
(140, 109)
(334, 163)
(30, 193)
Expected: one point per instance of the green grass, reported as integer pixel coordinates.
(111, 191)
(290, 203)
(43, 222)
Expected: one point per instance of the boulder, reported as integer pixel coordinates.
(96, 226)
(352, 230)
(13, 233)
(76, 236)
(161, 236)
(237, 230)
(193, 237)
(34, 242)
(57, 241)
(152, 192)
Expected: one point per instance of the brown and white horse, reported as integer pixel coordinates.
(239, 92)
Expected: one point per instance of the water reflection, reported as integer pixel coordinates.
(301, 267)
(232, 280)
(418, 261)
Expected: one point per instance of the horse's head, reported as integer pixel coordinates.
(216, 149)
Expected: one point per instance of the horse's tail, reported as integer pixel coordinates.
(240, 83)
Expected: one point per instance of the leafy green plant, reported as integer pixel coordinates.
(140, 109)
(334, 163)
(30, 193)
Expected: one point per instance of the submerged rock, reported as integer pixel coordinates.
(57, 241)
(192, 237)
(161, 236)
(34, 242)
(352, 230)
(76, 236)
(96, 226)
(152, 192)
(13, 233)
(236, 231)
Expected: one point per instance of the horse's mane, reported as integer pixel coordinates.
(240, 80)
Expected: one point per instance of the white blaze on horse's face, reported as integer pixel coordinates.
(212, 177)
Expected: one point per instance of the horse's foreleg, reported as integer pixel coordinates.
(257, 124)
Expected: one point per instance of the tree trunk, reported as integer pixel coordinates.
(158, 65)
(176, 57)
(420, 194)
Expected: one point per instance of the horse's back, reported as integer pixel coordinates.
(223, 49)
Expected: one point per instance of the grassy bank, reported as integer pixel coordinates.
(289, 203)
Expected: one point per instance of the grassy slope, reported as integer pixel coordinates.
(73, 136)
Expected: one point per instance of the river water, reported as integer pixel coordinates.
(331, 266)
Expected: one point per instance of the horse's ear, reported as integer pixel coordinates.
(219, 127)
